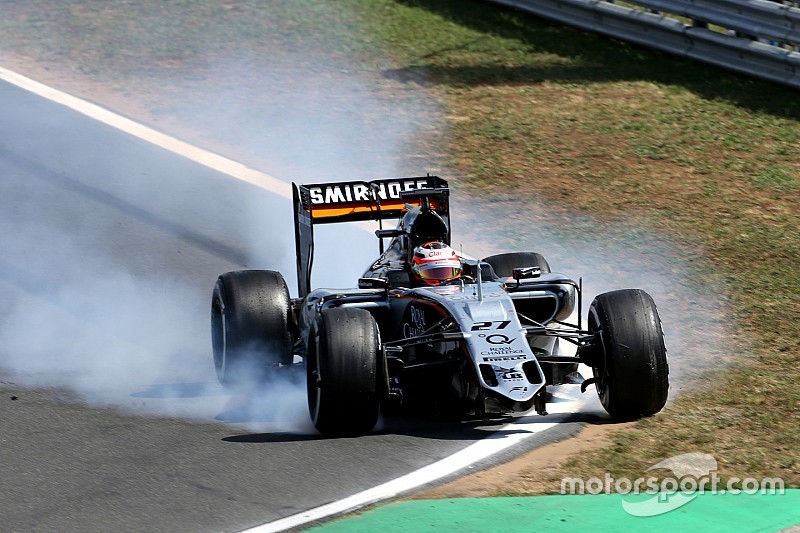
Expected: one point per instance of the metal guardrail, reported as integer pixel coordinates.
(759, 38)
(755, 18)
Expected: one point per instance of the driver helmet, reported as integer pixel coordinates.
(435, 263)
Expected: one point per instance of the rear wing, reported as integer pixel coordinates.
(350, 201)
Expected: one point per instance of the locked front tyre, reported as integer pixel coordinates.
(629, 359)
(342, 372)
(250, 327)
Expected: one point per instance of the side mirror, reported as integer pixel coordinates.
(526, 272)
(382, 233)
(373, 283)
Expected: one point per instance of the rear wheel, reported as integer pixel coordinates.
(342, 372)
(250, 326)
(504, 264)
(632, 375)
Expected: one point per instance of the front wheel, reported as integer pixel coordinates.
(342, 372)
(631, 372)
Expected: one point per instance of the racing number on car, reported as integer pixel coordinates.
(483, 326)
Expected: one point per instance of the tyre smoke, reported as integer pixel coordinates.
(109, 249)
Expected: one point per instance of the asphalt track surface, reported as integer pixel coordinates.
(110, 416)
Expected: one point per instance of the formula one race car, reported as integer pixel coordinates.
(426, 326)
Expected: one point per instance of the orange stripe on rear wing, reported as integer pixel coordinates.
(375, 200)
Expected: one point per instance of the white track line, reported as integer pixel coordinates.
(482, 449)
(490, 445)
(198, 155)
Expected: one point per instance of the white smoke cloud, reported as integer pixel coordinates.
(110, 297)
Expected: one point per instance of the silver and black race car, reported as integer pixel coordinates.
(489, 342)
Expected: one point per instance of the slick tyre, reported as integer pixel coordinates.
(250, 326)
(504, 264)
(631, 372)
(342, 372)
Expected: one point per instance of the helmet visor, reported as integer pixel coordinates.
(439, 273)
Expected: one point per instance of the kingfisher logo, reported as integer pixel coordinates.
(360, 191)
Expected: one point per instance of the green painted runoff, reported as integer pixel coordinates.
(707, 512)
